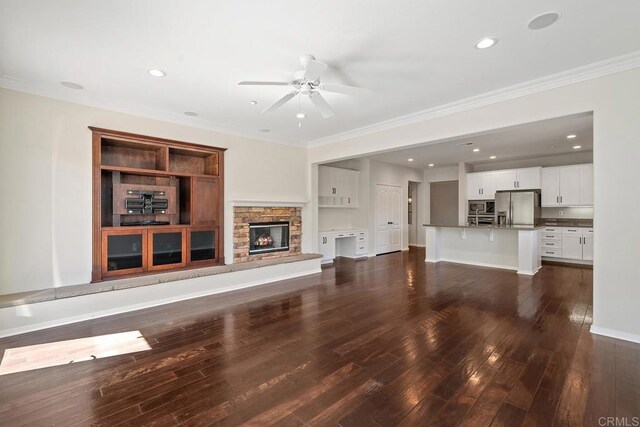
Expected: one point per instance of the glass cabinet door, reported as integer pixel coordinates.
(166, 248)
(123, 252)
(202, 245)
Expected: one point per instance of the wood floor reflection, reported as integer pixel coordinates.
(384, 341)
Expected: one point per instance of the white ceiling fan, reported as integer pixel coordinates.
(307, 82)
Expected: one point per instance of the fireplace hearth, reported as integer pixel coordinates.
(267, 237)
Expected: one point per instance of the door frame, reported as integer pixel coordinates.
(375, 216)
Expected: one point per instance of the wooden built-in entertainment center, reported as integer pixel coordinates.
(158, 205)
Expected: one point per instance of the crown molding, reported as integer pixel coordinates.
(80, 97)
(592, 71)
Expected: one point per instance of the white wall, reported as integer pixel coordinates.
(45, 159)
(613, 99)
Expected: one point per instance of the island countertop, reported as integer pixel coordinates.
(490, 227)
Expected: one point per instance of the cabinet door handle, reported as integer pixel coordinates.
(557, 199)
(560, 199)
(349, 200)
(514, 184)
(518, 184)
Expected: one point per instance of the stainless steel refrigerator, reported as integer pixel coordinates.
(518, 208)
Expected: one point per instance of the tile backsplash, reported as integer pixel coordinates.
(567, 212)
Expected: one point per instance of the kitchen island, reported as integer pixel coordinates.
(508, 247)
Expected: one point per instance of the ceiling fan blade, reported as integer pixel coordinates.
(280, 102)
(345, 90)
(258, 83)
(313, 70)
(322, 105)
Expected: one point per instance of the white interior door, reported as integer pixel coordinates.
(388, 215)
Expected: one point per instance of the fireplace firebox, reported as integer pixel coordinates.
(268, 237)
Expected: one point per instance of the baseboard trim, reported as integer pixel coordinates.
(528, 272)
(416, 246)
(89, 299)
(477, 264)
(612, 333)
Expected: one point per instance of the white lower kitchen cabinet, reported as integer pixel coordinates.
(587, 245)
(572, 246)
(570, 243)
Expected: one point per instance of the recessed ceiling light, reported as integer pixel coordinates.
(254, 102)
(190, 113)
(156, 72)
(410, 160)
(577, 147)
(431, 165)
(71, 85)
(486, 43)
(492, 157)
(571, 136)
(543, 21)
(475, 150)
(301, 115)
(264, 130)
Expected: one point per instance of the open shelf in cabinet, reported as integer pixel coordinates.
(186, 178)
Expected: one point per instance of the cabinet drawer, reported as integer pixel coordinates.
(553, 230)
(587, 231)
(572, 230)
(551, 236)
(351, 234)
(551, 252)
(362, 233)
(361, 248)
(556, 244)
(361, 239)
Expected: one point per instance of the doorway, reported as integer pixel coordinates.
(388, 215)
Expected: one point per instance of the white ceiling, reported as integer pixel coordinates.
(531, 140)
(414, 55)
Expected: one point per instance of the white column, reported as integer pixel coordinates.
(432, 243)
(529, 260)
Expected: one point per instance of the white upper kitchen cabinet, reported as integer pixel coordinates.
(586, 185)
(482, 185)
(506, 180)
(518, 179)
(528, 178)
(567, 186)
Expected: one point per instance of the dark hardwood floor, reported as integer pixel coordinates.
(386, 341)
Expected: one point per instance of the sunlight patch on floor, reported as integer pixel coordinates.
(57, 353)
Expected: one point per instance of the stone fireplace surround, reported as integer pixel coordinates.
(243, 215)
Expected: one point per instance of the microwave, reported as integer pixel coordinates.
(482, 207)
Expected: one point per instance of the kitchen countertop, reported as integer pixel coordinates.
(489, 227)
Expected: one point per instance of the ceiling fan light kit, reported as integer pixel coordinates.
(306, 82)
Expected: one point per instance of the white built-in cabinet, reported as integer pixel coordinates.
(347, 243)
(337, 187)
(567, 186)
